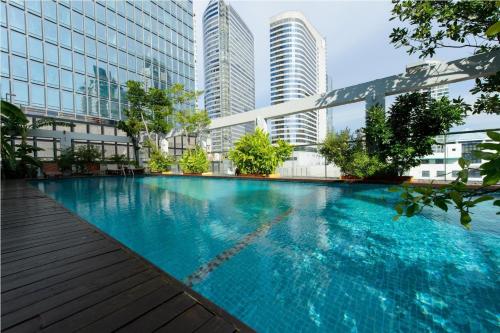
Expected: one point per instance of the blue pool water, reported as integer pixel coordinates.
(300, 257)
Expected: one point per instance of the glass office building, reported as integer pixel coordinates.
(229, 70)
(298, 69)
(72, 59)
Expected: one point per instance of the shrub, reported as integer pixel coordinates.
(194, 161)
(66, 159)
(159, 161)
(349, 154)
(85, 155)
(254, 153)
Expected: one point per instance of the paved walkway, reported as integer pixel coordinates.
(60, 274)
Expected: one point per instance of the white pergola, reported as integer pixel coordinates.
(420, 76)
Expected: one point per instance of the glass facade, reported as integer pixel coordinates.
(229, 70)
(75, 57)
(298, 69)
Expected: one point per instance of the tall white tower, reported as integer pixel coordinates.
(298, 69)
(229, 69)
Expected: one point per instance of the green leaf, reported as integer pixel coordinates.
(495, 136)
(399, 208)
(463, 162)
(489, 145)
(465, 219)
(410, 211)
(456, 197)
(482, 198)
(441, 203)
(496, 203)
(493, 30)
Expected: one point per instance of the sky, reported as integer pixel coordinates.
(358, 49)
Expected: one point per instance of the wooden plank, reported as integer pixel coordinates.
(216, 324)
(188, 321)
(76, 286)
(100, 310)
(161, 315)
(31, 242)
(99, 262)
(129, 313)
(49, 248)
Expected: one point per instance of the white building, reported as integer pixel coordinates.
(298, 69)
(229, 70)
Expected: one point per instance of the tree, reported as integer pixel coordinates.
(254, 153)
(193, 123)
(148, 111)
(431, 25)
(408, 132)
(18, 160)
(194, 161)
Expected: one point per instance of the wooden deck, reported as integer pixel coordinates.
(60, 274)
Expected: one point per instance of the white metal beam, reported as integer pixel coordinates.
(415, 78)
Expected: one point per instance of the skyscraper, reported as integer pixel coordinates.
(298, 69)
(229, 69)
(72, 59)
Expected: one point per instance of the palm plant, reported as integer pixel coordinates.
(17, 160)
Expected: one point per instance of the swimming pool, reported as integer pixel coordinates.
(303, 257)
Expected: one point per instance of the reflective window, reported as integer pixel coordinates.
(37, 95)
(113, 91)
(120, 7)
(122, 41)
(122, 58)
(4, 40)
(49, 9)
(104, 108)
(78, 41)
(80, 103)
(50, 30)
(122, 24)
(20, 89)
(102, 70)
(77, 21)
(53, 98)
(91, 86)
(131, 63)
(111, 18)
(66, 79)
(89, 8)
(79, 62)
(112, 54)
(3, 13)
(77, 4)
(37, 72)
(66, 58)
(65, 36)
(100, 12)
(122, 76)
(52, 76)
(103, 89)
(19, 68)
(64, 15)
(4, 87)
(101, 31)
(51, 55)
(34, 6)
(90, 46)
(102, 52)
(34, 25)
(89, 26)
(16, 18)
(91, 66)
(67, 101)
(18, 43)
(5, 65)
(111, 36)
(79, 82)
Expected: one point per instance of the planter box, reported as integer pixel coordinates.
(192, 174)
(349, 177)
(93, 168)
(390, 179)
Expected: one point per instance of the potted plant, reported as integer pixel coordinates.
(65, 161)
(159, 162)
(194, 161)
(87, 158)
(254, 155)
